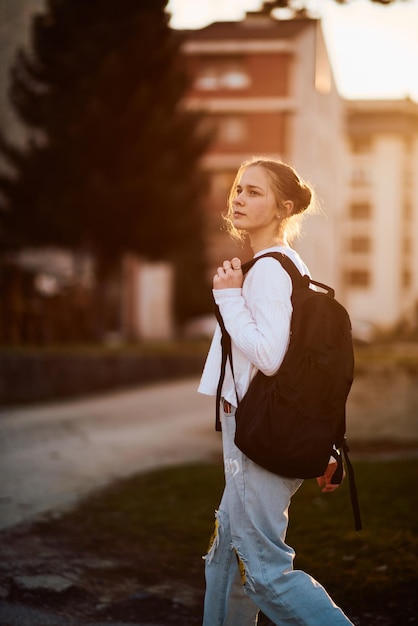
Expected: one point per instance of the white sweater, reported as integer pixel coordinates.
(257, 317)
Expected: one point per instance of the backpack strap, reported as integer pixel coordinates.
(353, 489)
(226, 354)
(298, 279)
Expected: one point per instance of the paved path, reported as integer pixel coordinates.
(53, 454)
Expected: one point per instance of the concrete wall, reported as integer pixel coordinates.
(35, 377)
(383, 403)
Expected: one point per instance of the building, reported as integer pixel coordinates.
(267, 88)
(380, 246)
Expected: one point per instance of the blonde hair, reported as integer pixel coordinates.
(286, 185)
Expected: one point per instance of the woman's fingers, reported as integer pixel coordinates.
(227, 275)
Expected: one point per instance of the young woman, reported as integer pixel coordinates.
(249, 567)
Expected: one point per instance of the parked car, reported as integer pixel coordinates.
(364, 332)
(200, 327)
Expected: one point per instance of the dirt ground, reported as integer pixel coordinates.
(97, 592)
(82, 589)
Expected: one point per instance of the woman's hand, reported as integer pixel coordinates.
(229, 275)
(325, 480)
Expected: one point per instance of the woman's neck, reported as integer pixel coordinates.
(258, 245)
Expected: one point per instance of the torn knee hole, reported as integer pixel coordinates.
(241, 567)
(214, 540)
(246, 578)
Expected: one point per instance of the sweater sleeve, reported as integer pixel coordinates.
(258, 316)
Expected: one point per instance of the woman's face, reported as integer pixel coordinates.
(255, 208)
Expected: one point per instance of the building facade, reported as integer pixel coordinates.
(380, 226)
(267, 88)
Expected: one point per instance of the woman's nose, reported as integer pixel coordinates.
(238, 198)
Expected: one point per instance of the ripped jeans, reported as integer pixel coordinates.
(249, 566)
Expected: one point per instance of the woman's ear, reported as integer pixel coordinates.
(288, 207)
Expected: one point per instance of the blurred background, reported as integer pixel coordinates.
(122, 128)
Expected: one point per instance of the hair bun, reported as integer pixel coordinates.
(304, 199)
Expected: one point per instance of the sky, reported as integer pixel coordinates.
(373, 48)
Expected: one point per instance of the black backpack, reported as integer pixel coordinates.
(292, 422)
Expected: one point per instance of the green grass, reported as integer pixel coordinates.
(376, 566)
(157, 525)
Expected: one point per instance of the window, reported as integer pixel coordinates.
(232, 130)
(360, 211)
(406, 279)
(407, 210)
(408, 177)
(206, 127)
(358, 278)
(222, 74)
(360, 244)
(409, 144)
(407, 245)
(207, 79)
(233, 76)
(361, 145)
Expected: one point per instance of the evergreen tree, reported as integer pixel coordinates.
(112, 160)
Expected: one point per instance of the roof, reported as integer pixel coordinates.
(376, 116)
(253, 27)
